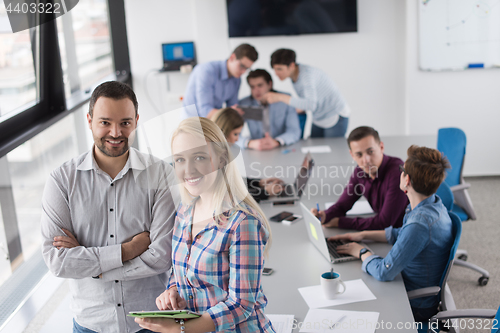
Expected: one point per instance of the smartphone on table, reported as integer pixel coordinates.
(281, 216)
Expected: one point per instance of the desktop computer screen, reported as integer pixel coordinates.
(178, 51)
(178, 54)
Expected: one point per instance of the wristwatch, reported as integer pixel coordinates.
(362, 251)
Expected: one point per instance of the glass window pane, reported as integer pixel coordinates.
(27, 168)
(85, 43)
(17, 71)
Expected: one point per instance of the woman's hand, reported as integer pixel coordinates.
(272, 180)
(272, 186)
(170, 300)
(273, 189)
(162, 325)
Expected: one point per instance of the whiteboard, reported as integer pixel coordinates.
(459, 34)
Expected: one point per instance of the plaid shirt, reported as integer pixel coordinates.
(221, 271)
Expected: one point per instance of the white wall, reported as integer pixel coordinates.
(376, 69)
(149, 24)
(468, 99)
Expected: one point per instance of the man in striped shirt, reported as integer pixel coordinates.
(316, 92)
(107, 219)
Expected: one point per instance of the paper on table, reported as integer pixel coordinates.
(281, 323)
(316, 149)
(320, 320)
(356, 291)
(360, 207)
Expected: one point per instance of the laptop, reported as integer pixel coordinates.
(293, 192)
(317, 237)
(176, 55)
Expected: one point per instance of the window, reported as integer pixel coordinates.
(43, 96)
(85, 45)
(18, 84)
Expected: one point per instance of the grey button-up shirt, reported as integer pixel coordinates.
(103, 213)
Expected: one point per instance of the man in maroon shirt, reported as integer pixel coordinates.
(376, 178)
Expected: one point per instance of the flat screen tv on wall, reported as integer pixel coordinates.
(290, 17)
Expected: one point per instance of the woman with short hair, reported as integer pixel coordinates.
(421, 247)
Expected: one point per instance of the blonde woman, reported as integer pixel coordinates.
(231, 124)
(220, 239)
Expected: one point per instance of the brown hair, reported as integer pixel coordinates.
(426, 168)
(228, 119)
(114, 90)
(246, 50)
(260, 73)
(361, 133)
(283, 57)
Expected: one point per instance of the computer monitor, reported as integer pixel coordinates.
(176, 55)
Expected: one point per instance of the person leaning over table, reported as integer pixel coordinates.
(284, 127)
(214, 83)
(220, 239)
(421, 247)
(231, 124)
(316, 92)
(376, 178)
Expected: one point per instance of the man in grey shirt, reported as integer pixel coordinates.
(107, 219)
(316, 92)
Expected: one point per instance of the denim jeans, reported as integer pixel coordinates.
(302, 123)
(424, 314)
(80, 329)
(337, 130)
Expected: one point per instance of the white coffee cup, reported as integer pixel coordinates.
(331, 282)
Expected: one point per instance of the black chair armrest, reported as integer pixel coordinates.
(423, 292)
(468, 313)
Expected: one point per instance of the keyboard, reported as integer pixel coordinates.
(332, 248)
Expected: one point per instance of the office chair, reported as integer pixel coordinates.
(451, 317)
(446, 298)
(452, 143)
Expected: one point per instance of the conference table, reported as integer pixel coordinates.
(295, 260)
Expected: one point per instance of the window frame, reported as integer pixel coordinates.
(20, 125)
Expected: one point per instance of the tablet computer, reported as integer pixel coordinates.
(174, 314)
(252, 112)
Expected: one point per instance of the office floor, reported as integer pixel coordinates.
(479, 237)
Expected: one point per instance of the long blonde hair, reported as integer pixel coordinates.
(229, 185)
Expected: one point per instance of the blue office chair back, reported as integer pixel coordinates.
(452, 143)
(456, 227)
(496, 320)
(444, 192)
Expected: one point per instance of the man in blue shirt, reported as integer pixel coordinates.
(282, 126)
(421, 247)
(217, 82)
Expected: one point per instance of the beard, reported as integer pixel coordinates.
(113, 152)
